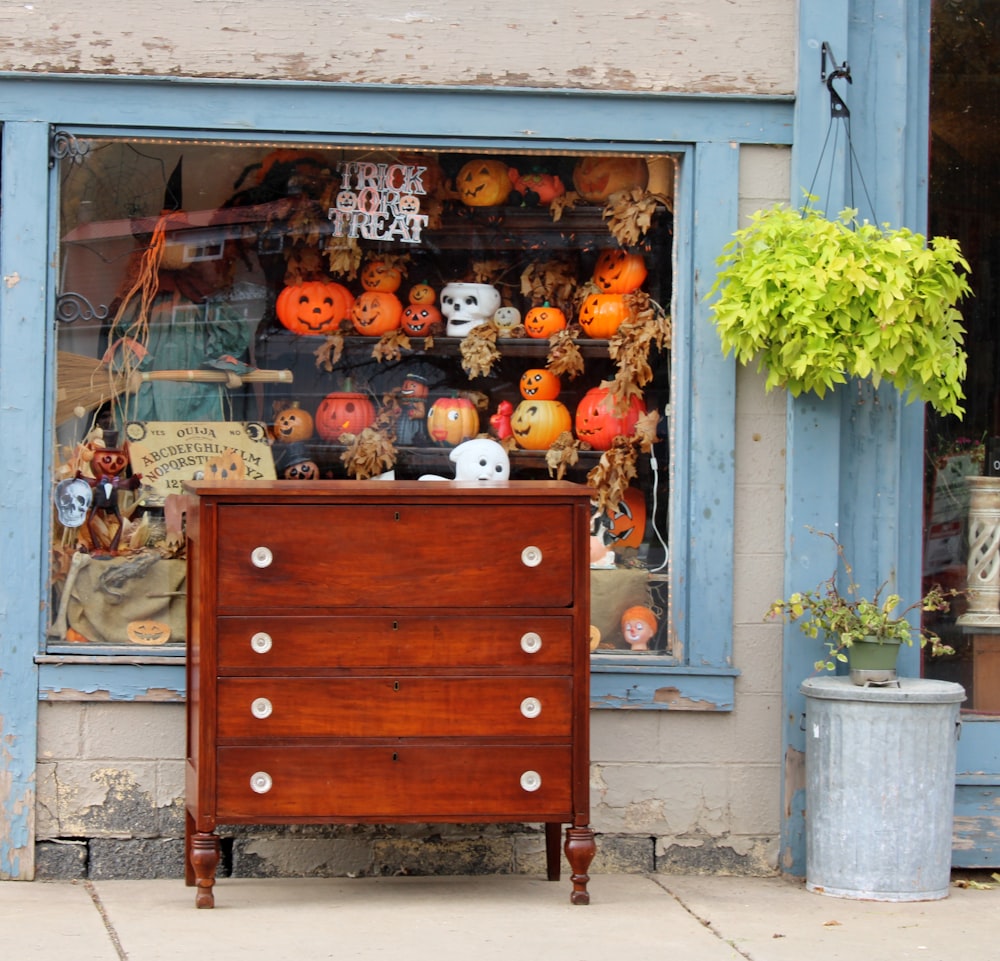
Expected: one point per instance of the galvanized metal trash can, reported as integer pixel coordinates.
(880, 787)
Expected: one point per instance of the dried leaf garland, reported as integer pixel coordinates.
(488, 271)
(479, 350)
(563, 453)
(566, 202)
(553, 281)
(629, 348)
(564, 357)
(630, 214)
(390, 345)
(612, 475)
(368, 454)
(344, 256)
(328, 353)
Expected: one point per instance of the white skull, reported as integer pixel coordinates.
(480, 459)
(73, 497)
(467, 306)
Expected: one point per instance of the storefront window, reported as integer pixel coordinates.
(314, 311)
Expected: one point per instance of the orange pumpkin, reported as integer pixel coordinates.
(376, 312)
(539, 383)
(599, 421)
(452, 420)
(417, 319)
(597, 178)
(422, 294)
(343, 412)
(544, 321)
(626, 525)
(378, 275)
(602, 314)
(483, 183)
(619, 272)
(536, 424)
(292, 424)
(313, 307)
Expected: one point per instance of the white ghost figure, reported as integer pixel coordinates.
(479, 459)
(73, 497)
(468, 305)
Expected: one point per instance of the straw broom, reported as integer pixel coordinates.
(84, 383)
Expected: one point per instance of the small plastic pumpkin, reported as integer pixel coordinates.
(422, 294)
(376, 312)
(602, 314)
(536, 188)
(452, 420)
(619, 272)
(537, 423)
(313, 307)
(378, 275)
(483, 183)
(597, 178)
(292, 424)
(598, 421)
(544, 321)
(625, 526)
(539, 383)
(343, 412)
(417, 319)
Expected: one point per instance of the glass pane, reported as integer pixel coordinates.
(307, 312)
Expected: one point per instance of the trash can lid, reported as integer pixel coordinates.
(922, 690)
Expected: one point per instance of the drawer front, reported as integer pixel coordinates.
(381, 783)
(405, 706)
(517, 641)
(421, 556)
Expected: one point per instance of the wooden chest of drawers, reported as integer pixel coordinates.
(369, 652)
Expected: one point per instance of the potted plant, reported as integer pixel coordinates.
(864, 632)
(820, 300)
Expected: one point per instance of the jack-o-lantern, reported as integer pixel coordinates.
(313, 307)
(292, 424)
(597, 178)
(417, 319)
(625, 525)
(452, 420)
(376, 312)
(483, 183)
(378, 275)
(422, 294)
(536, 424)
(602, 314)
(343, 412)
(539, 383)
(599, 420)
(303, 470)
(148, 633)
(619, 272)
(544, 321)
(536, 188)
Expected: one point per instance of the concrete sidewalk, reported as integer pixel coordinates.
(639, 918)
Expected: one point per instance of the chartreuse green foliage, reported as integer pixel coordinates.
(819, 301)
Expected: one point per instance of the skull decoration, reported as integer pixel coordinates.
(73, 497)
(468, 305)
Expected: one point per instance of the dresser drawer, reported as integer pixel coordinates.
(395, 782)
(423, 556)
(404, 706)
(518, 641)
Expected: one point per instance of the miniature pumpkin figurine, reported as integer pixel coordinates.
(598, 421)
(292, 423)
(483, 183)
(536, 424)
(638, 627)
(506, 318)
(619, 272)
(539, 383)
(108, 465)
(313, 307)
(452, 420)
(410, 427)
(544, 321)
(535, 189)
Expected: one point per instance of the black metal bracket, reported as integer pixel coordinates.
(838, 108)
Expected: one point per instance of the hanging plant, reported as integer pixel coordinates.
(818, 301)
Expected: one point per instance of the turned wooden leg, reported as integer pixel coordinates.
(580, 850)
(204, 858)
(553, 850)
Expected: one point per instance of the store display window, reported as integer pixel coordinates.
(312, 311)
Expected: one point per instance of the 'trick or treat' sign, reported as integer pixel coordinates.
(379, 202)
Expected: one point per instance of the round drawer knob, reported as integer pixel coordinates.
(260, 782)
(531, 780)
(261, 707)
(261, 557)
(531, 707)
(531, 643)
(261, 642)
(531, 556)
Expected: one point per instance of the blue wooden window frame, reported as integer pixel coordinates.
(707, 131)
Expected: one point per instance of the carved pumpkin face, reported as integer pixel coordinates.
(292, 424)
(624, 526)
(422, 294)
(417, 319)
(539, 383)
(483, 183)
(313, 307)
(343, 413)
(597, 178)
(149, 633)
(376, 312)
(602, 314)
(619, 272)
(303, 470)
(537, 423)
(452, 420)
(598, 421)
(378, 275)
(109, 461)
(544, 321)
